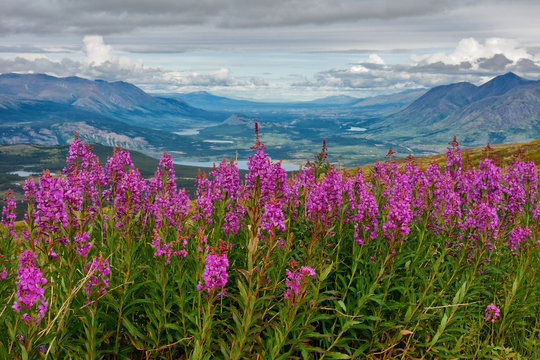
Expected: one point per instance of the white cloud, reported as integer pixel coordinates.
(472, 51)
(96, 51)
(375, 59)
(355, 69)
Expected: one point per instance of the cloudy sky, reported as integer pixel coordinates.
(273, 50)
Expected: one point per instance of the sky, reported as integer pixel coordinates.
(279, 50)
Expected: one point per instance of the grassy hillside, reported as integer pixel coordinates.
(503, 154)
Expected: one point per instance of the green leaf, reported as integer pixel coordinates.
(336, 355)
(342, 305)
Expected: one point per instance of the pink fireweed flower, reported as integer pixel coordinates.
(170, 209)
(226, 180)
(233, 218)
(164, 176)
(444, 200)
(520, 188)
(80, 157)
(85, 177)
(129, 196)
(482, 183)
(30, 190)
(492, 313)
(3, 273)
(8, 214)
(214, 274)
(417, 182)
(399, 216)
(163, 248)
(273, 218)
(117, 166)
(453, 161)
(99, 280)
(482, 218)
(270, 178)
(205, 198)
(517, 237)
(296, 282)
(364, 209)
(536, 216)
(29, 289)
(222, 186)
(169, 205)
(50, 203)
(324, 198)
(82, 243)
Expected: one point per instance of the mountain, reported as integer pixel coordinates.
(403, 98)
(438, 102)
(120, 100)
(504, 109)
(500, 85)
(42, 109)
(337, 100)
(384, 105)
(210, 102)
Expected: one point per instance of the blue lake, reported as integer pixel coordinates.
(242, 164)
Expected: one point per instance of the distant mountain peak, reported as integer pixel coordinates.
(499, 85)
(509, 76)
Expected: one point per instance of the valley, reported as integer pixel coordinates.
(201, 128)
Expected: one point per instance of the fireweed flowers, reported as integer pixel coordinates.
(296, 282)
(518, 238)
(30, 293)
(166, 249)
(85, 178)
(99, 280)
(492, 313)
(169, 205)
(83, 243)
(221, 188)
(8, 214)
(215, 274)
(485, 211)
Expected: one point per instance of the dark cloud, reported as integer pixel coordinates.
(497, 63)
(441, 68)
(526, 66)
(113, 16)
(25, 49)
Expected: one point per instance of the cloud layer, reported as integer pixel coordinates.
(113, 16)
(101, 62)
(471, 61)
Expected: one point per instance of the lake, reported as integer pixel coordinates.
(242, 164)
(187, 132)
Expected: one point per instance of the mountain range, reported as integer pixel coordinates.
(119, 100)
(42, 109)
(504, 109)
(377, 104)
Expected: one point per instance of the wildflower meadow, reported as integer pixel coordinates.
(397, 262)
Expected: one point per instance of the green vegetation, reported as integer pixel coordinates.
(392, 263)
